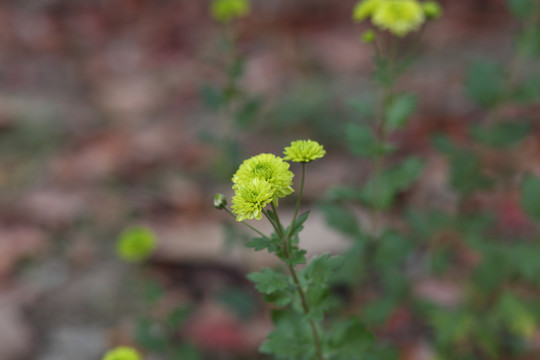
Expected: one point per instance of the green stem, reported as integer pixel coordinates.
(246, 224)
(292, 270)
(300, 193)
(279, 226)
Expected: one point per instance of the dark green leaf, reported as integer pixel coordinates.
(178, 316)
(523, 9)
(399, 110)
(321, 268)
(267, 281)
(485, 83)
(298, 224)
(259, 244)
(150, 335)
(350, 339)
(211, 97)
(341, 219)
(242, 302)
(530, 196)
(247, 114)
(501, 134)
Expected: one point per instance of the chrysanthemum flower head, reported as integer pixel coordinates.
(227, 10)
(251, 196)
(364, 9)
(304, 151)
(432, 9)
(399, 16)
(122, 353)
(136, 244)
(266, 167)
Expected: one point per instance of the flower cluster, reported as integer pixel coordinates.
(122, 353)
(135, 244)
(400, 17)
(265, 178)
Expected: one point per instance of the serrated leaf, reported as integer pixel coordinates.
(259, 244)
(399, 110)
(485, 83)
(298, 224)
(502, 134)
(291, 339)
(267, 281)
(530, 196)
(350, 339)
(381, 190)
(341, 219)
(321, 268)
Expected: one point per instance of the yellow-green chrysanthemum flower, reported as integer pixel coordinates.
(432, 9)
(304, 151)
(251, 197)
(364, 9)
(122, 353)
(266, 167)
(136, 244)
(226, 10)
(399, 16)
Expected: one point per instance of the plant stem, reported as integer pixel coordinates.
(292, 270)
(245, 223)
(300, 193)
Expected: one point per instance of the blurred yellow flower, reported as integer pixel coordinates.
(399, 16)
(136, 244)
(122, 353)
(227, 10)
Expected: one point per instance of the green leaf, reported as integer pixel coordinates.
(522, 9)
(291, 339)
(530, 196)
(247, 114)
(261, 243)
(241, 301)
(363, 107)
(378, 311)
(399, 111)
(528, 92)
(362, 142)
(502, 134)
(350, 339)
(267, 281)
(485, 83)
(321, 268)
(528, 42)
(381, 190)
(212, 97)
(178, 316)
(466, 173)
(298, 224)
(150, 335)
(341, 219)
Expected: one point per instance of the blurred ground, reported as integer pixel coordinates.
(99, 128)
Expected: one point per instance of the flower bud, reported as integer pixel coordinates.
(220, 201)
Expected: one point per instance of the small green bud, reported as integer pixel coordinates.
(220, 201)
(368, 36)
(432, 9)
